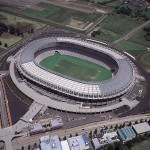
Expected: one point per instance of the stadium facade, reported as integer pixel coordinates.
(63, 88)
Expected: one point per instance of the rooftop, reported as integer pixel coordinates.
(126, 133)
(65, 145)
(56, 122)
(78, 143)
(141, 127)
(35, 127)
(50, 143)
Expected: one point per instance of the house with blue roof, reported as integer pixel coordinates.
(126, 133)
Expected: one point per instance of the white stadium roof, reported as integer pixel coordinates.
(115, 86)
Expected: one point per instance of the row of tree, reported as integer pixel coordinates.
(18, 29)
(137, 13)
(147, 35)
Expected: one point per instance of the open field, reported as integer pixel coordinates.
(132, 48)
(140, 39)
(10, 7)
(10, 40)
(76, 68)
(58, 13)
(115, 25)
(77, 23)
(144, 60)
(142, 146)
(11, 19)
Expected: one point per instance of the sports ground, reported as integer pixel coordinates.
(76, 68)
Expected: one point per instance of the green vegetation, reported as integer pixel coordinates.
(132, 48)
(76, 68)
(114, 3)
(11, 19)
(58, 13)
(10, 41)
(115, 25)
(144, 60)
(137, 44)
(13, 28)
(10, 7)
(140, 38)
(145, 145)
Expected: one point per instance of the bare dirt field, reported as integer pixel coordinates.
(76, 23)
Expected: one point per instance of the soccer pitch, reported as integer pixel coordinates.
(76, 68)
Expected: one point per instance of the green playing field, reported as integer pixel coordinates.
(76, 68)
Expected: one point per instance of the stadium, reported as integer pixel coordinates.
(78, 72)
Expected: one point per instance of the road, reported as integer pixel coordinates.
(4, 119)
(91, 28)
(133, 32)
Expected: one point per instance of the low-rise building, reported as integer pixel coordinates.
(78, 142)
(96, 143)
(108, 138)
(64, 145)
(56, 123)
(141, 128)
(50, 143)
(126, 133)
(35, 128)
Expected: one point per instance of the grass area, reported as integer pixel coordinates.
(11, 19)
(10, 7)
(115, 25)
(107, 35)
(140, 39)
(114, 4)
(1, 49)
(132, 48)
(58, 13)
(145, 61)
(142, 146)
(10, 41)
(76, 68)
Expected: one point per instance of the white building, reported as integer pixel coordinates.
(64, 145)
(78, 143)
(50, 143)
(141, 128)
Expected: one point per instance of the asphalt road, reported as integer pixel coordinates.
(144, 105)
(4, 119)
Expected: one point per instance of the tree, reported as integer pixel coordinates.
(130, 123)
(5, 45)
(70, 135)
(64, 138)
(129, 144)
(106, 128)
(95, 132)
(116, 127)
(29, 147)
(22, 148)
(32, 30)
(35, 145)
(111, 127)
(141, 120)
(76, 134)
(111, 147)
